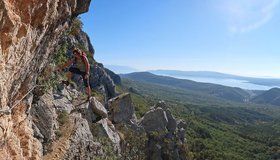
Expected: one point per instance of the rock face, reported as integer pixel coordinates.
(116, 78)
(57, 124)
(44, 117)
(100, 77)
(101, 81)
(82, 145)
(29, 31)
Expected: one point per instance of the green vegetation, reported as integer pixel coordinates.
(217, 128)
(133, 143)
(76, 26)
(109, 153)
(63, 117)
(98, 95)
(49, 78)
(60, 55)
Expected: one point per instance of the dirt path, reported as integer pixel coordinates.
(60, 146)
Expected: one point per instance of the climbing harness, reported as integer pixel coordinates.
(9, 110)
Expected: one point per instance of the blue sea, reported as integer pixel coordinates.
(227, 82)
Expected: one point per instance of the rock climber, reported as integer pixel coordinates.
(79, 65)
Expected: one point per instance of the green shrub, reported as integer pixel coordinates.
(76, 26)
(63, 117)
(60, 55)
(133, 143)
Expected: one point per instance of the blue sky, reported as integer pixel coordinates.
(231, 36)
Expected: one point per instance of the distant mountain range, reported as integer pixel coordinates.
(208, 74)
(271, 82)
(271, 96)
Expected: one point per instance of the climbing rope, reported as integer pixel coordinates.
(9, 110)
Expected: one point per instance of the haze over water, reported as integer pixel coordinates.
(226, 82)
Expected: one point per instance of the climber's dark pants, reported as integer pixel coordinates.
(77, 71)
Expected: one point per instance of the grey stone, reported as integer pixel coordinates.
(161, 104)
(182, 124)
(172, 124)
(63, 104)
(139, 129)
(121, 108)
(105, 129)
(154, 121)
(82, 144)
(37, 133)
(98, 108)
(44, 117)
(99, 77)
(181, 134)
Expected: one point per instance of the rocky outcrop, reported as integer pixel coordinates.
(81, 141)
(101, 81)
(116, 78)
(154, 121)
(121, 108)
(171, 124)
(72, 129)
(98, 108)
(166, 137)
(29, 31)
(104, 129)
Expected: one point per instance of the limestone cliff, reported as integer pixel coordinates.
(29, 30)
(55, 122)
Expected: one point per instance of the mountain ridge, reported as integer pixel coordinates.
(235, 94)
(213, 74)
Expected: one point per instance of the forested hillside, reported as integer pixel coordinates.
(217, 128)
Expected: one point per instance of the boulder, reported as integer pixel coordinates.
(105, 129)
(154, 121)
(98, 108)
(172, 124)
(61, 103)
(121, 108)
(161, 104)
(181, 134)
(81, 144)
(182, 124)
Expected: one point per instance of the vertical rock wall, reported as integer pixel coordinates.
(29, 30)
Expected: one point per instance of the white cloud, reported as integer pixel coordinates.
(247, 15)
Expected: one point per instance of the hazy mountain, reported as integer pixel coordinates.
(121, 69)
(271, 96)
(217, 75)
(229, 93)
